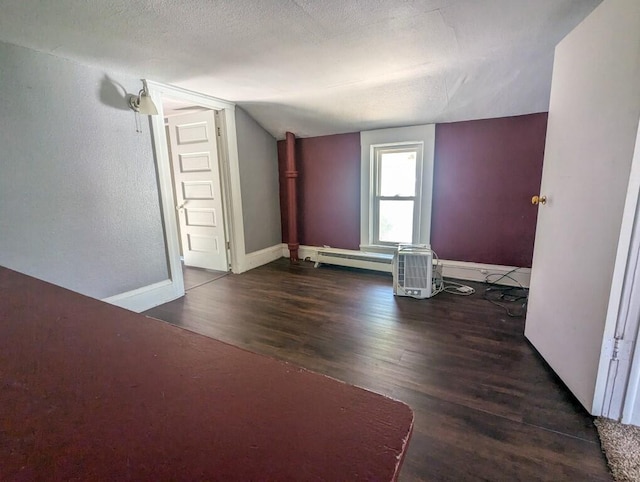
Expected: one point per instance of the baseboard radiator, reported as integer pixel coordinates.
(355, 259)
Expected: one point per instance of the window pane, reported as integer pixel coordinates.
(398, 173)
(396, 221)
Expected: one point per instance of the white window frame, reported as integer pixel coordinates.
(424, 134)
(377, 151)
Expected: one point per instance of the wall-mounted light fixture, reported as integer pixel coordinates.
(142, 102)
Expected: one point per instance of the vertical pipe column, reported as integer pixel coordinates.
(291, 174)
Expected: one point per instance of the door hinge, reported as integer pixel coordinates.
(219, 132)
(620, 349)
(229, 245)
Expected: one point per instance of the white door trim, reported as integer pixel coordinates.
(618, 383)
(230, 176)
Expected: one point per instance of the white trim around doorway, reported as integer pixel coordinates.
(230, 177)
(617, 393)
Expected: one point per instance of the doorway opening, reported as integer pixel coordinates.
(196, 153)
(193, 146)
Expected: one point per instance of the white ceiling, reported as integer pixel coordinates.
(318, 67)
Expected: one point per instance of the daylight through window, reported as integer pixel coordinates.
(397, 187)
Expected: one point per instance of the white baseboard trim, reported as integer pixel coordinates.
(260, 257)
(468, 271)
(463, 270)
(304, 252)
(147, 297)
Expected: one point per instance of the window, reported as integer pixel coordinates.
(397, 186)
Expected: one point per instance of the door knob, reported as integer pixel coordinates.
(535, 200)
(181, 206)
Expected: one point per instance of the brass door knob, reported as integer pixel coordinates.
(535, 200)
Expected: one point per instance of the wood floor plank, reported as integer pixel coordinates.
(487, 407)
(194, 277)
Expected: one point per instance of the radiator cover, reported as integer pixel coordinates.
(355, 259)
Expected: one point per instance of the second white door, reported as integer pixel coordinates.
(198, 193)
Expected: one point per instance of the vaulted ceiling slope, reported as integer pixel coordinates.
(319, 67)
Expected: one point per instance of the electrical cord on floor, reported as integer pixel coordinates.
(438, 281)
(500, 295)
(448, 286)
(458, 289)
(495, 293)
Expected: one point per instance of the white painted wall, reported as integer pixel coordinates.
(258, 155)
(423, 133)
(78, 193)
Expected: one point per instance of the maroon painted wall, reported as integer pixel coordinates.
(328, 190)
(485, 173)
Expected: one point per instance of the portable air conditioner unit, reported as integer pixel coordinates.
(413, 272)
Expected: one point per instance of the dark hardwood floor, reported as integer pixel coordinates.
(486, 406)
(194, 277)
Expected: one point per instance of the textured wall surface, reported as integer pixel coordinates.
(79, 201)
(328, 190)
(258, 157)
(485, 174)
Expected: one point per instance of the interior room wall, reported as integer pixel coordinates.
(257, 153)
(485, 173)
(79, 202)
(328, 190)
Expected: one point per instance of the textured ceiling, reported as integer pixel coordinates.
(318, 67)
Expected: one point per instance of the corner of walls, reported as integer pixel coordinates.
(147, 297)
(328, 190)
(305, 253)
(261, 257)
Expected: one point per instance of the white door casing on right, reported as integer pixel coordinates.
(593, 120)
(620, 399)
(196, 173)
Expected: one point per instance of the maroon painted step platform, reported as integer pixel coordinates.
(90, 391)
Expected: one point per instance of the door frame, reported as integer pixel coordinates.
(618, 383)
(221, 255)
(229, 176)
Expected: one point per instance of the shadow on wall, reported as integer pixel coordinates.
(113, 94)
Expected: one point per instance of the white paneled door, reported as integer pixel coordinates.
(198, 194)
